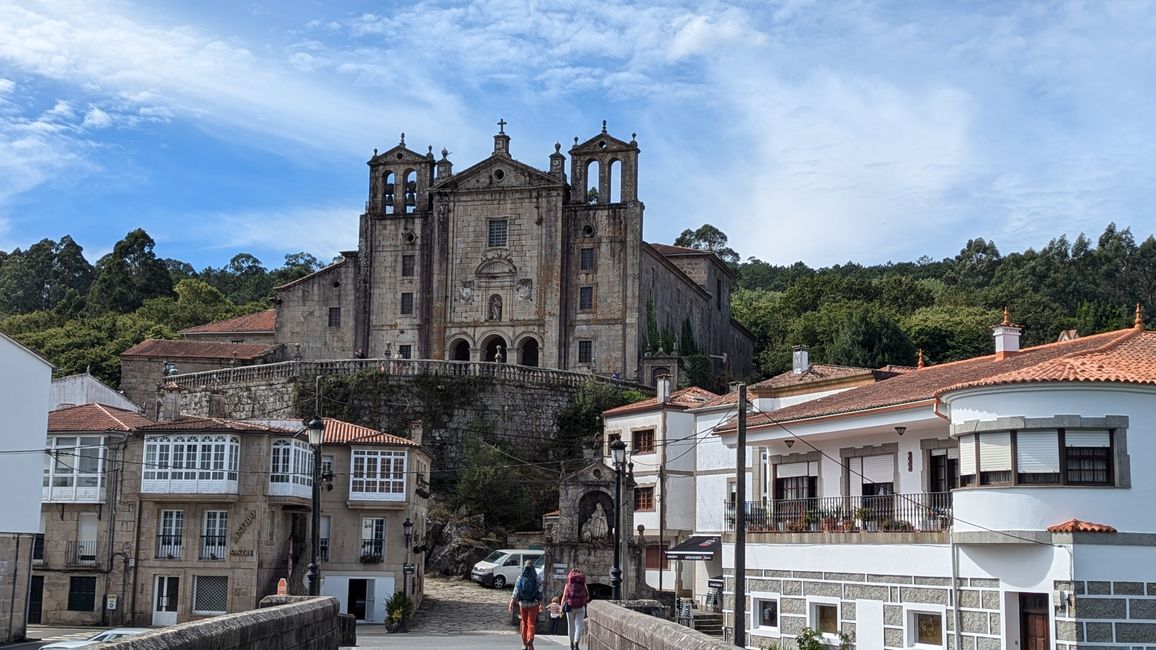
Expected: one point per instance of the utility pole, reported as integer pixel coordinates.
(741, 523)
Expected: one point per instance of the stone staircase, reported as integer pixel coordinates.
(708, 623)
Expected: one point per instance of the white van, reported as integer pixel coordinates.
(503, 566)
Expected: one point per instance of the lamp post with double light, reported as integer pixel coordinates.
(407, 568)
(618, 455)
(315, 429)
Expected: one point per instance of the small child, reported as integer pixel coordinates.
(555, 611)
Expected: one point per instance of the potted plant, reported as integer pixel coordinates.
(812, 639)
(866, 517)
(398, 608)
(811, 519)
(370, 558)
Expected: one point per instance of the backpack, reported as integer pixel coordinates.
(528, 589)
(577, 595)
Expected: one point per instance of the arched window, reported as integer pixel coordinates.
(410, 192)
(494, 310)
(460, 351)
(530, 352)
(615, 179)
(388, 183)
(593, 176)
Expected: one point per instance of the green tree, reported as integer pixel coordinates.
(708, 238)
(950, 332)
(869, 338)
(40, 277)
(129, 275)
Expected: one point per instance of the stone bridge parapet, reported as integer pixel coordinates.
(613, 627)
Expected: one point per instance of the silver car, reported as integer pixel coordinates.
(103, 637)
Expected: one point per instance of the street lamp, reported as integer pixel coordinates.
(315, 429)
(618, 454)
(407, 528)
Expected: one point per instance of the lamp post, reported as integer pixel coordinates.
(407, 528)
(315, 429)
(618, 454)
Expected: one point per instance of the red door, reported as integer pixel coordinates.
(1034, 622)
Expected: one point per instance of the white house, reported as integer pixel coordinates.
(995, 502)
(24, 387)
(83, 388)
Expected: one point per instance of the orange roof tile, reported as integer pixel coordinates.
(692, 397)
(816, 373)
(923, 385)
(1077, 526)
(668, 250)
(262, 321)
(338, 432)
(211, 424)
(94, 417)
(1129, 359)
(160, 348)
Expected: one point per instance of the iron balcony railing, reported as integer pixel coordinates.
(921, 511)
(212, 547)
(323, 549)
(82, 552)
(168, 547)
(372, 550)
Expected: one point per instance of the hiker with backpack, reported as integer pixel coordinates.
(574, 599)
(527, 598)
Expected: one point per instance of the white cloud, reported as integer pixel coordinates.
(6, 86)
(96, 118)
(324, 229)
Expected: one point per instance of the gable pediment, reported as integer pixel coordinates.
(498, 172)
(603, 142)
(495, 267)
(399, 154)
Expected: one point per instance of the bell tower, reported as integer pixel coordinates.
(604, 170)
(399, 181)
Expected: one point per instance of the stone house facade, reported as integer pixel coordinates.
(503, 261)
(142, 367)
(155, 523)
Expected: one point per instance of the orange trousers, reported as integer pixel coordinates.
(529, 622)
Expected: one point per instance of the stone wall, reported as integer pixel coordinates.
(15, 557)
(1105, 613)
(307, 624)
(611, 627)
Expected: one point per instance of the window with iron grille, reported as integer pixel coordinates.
(407, 303)
(585, 298)
(210, 594)
(586, 259)
(644, 441)
(81, 594)
(498, 229)
(644, 499)
(407, 266)
(585, 351)
(335, 317)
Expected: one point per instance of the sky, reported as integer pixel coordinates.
(817, 131)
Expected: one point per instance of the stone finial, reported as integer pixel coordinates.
(919, 364)
(575, 141)
(402, 138)
(1138, 323)
(633, 138)
(557, 147)
(429, 152)
(502, 125)
(604, 126)
(445, 153)
(375, 152)
(1006, 318)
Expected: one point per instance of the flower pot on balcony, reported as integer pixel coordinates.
(371, 559)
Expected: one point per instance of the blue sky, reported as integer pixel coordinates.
(820, 131)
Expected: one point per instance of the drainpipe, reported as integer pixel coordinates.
(955, 586)
(135, 560)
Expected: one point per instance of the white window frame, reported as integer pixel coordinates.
(197, 586)
(813, 603)
(909, 630)
(367, 470)
(63, 472)
(190, 463)
(756, 626)
(220, 528)
(370, 523)
(490, 232)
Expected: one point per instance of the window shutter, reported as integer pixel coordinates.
(855, 482)
(791, 470)
(967, 455)
(953, 453)
(995, 452)
(1087, 439)
(1037, 452)
(879, 469)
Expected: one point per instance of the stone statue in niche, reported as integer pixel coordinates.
(525, 289)
(595, 527)
(495, 311)
(466, 293)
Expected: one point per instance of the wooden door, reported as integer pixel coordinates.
(1034, 622)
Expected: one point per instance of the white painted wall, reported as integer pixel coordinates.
(338, 587)
(1024, 508)
(25, 383)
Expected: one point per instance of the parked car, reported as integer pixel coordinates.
(503, 566)
(103, 637)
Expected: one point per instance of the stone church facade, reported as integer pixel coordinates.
(506, 262)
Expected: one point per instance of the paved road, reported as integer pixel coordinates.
(44, 634)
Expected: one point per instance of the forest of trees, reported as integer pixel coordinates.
(82, 316)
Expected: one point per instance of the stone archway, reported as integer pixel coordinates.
(495, 348)
(460, 351)
(530, 352)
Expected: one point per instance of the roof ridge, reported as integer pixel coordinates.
(1128, 335)
(1034, 348)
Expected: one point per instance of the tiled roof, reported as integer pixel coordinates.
(1077, 526)
(196, 350)
(338, 432)
(923, 385)
(262, 321)
(1130, 359)
(95, 417)
(306, 278)
(816, 373)
(668, 250)
(687, 398)
(212, 424)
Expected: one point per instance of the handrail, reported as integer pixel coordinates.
(917, 512)
(396, 367)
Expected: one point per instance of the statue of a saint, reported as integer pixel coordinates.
(495, 308)
(595, 527)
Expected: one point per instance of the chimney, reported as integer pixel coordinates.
(170, 403)
(1007, 337)
(663, 394)
(416, 431)
(216, 404)
(800, 359)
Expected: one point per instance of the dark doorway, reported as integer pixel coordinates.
(944, 472)
(36, 599)
(530, 353)
(460, 351)
(1034, 622)
(599, 591)
(356, 599)
(496, 349)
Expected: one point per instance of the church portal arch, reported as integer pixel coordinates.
(529, 350)
(495, 348)
(460, 350)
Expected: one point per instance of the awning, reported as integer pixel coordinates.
(695, 547)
